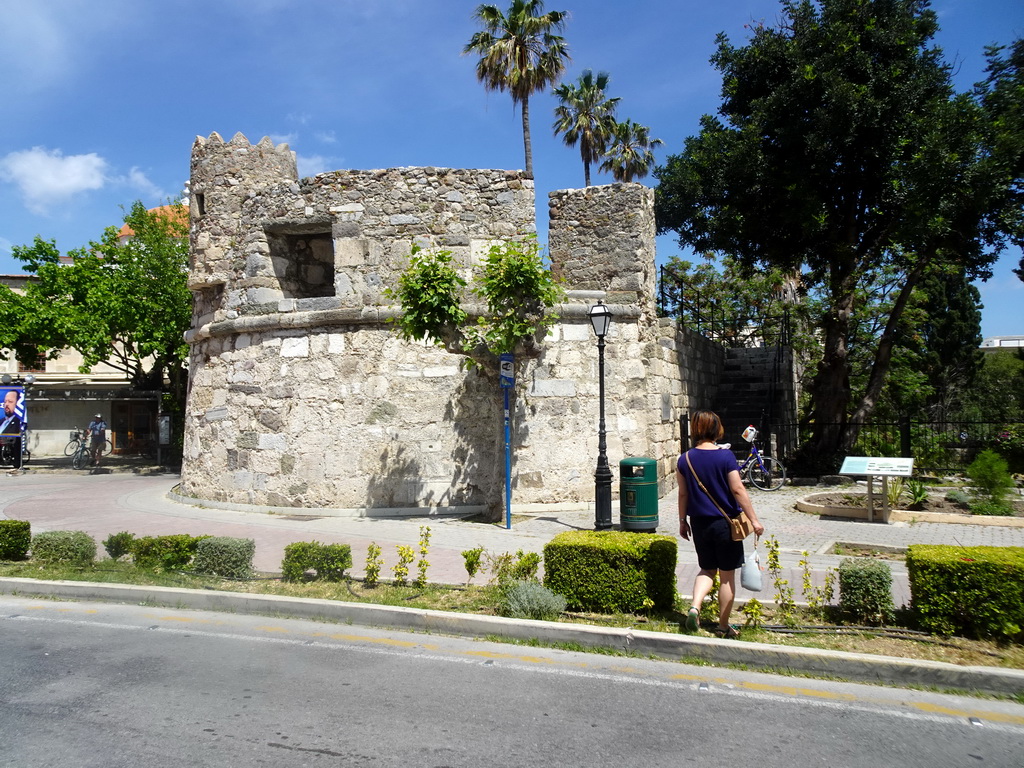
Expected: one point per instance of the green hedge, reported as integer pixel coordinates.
(612, 571)
(225, 556)
(329, 561)
(15, 539)
(70, 547)
(865, 591)
(172, 553)
(969, 591)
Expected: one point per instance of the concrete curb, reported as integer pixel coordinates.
(848, 666)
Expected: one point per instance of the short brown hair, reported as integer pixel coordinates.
(705, 426)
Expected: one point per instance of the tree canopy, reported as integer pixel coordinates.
(586, 116)
(843, 153)
(122, 303)
(520, 52)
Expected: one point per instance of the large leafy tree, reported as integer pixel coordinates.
(629, 155)
(1002, 95)
(520, 52)
(120, 302)
(586, 116)
(844, 153)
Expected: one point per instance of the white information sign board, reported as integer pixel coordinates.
(882, 467)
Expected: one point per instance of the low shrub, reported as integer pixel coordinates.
(327, 561)
(171, 553)
(225, 556)
(612, 571)
(958, 497)
(506, 568)
(990, 475)
(118, 545)
(15, 539)
(865, 591)
(68, 547)
(990, 507)
(531, 600)
(969, 591)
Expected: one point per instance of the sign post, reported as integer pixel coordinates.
(507, 377)
(884, 467)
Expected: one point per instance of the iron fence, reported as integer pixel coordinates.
(946, 446)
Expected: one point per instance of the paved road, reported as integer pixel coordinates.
(105, 503)
(106, 685)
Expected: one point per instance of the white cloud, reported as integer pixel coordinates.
(47, 178)
(6, 246)
(138, 181)
(326, 137)
(311, 165)
(284, 138)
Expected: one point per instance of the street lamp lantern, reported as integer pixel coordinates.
(600, 319)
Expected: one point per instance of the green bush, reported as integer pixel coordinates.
(69, 547)
(531, 600)
(171, 553)
(118, 545)
(990, 508)
(970, 591)
(865, 591)
(612, 571)
(225, 556)
(507, 568)
(15, 539)
(333, 561)
(328, 561)
(990, 475)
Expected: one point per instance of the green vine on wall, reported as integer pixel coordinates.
(517, 289)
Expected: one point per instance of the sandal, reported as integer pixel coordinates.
(729, 633)
(692, 620)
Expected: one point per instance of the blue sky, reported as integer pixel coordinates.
(103, 99)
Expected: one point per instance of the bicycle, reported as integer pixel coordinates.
(83, 456)
(77, 438)
(7, 451)
(763, 472)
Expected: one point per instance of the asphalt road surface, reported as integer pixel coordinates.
(91, 684)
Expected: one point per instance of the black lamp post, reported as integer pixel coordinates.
(601, 318)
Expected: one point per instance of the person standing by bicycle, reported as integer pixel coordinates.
(709, 484)
(97, 434)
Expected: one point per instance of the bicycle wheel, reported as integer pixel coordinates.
(71, 447)
(81, 459)
(770, 478)
(107, 448)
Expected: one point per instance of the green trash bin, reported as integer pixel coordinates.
(638, 494)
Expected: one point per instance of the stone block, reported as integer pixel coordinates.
(295, 346)
(553, 388)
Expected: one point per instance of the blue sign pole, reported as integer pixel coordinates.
(507, 378)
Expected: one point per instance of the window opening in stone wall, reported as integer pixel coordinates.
(201, 203)
(303, 263)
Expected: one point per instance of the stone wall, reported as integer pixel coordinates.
(301, 395)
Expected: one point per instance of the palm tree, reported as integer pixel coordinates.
(586, 116)
(630, 155)
(520, 53)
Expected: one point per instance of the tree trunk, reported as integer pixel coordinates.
(830, 391)
(526, 137)
(882, 360)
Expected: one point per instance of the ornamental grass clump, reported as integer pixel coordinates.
(530, 600)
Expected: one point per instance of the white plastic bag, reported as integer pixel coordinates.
(750, 573)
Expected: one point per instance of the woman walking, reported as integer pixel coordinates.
(700, 516)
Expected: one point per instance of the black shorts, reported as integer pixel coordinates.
(712, 538)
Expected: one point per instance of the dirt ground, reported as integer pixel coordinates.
(935, 503)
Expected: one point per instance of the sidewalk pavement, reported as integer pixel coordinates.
(129, 497)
